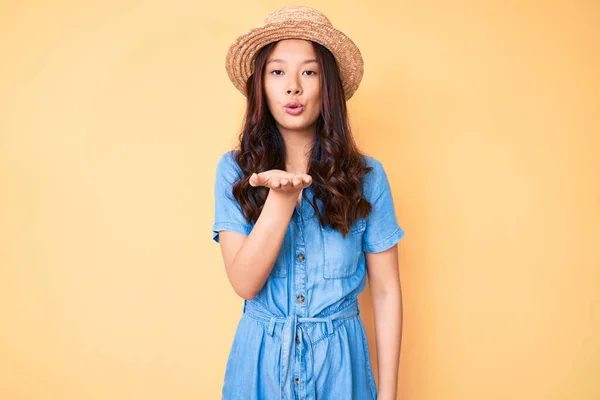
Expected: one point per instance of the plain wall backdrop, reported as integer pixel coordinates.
(113, 116)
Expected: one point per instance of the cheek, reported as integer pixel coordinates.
(316, 111)
(316, 96)
(316, 102)
(270, 99)
(270, 90)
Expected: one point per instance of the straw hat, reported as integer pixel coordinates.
(295, 22)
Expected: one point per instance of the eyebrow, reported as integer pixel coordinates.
(283, 61)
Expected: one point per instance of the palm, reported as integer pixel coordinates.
(280, 180)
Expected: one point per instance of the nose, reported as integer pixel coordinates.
(294, 88)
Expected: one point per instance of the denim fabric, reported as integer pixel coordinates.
(302, 336)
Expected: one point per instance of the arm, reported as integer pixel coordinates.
(249, 259)
(249, 252)
(384, 282)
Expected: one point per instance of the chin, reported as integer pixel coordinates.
(294, 127)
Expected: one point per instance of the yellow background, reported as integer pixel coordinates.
(113, 116)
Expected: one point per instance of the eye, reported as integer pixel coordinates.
(278, 72)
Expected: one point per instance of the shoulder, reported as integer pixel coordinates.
(372, 180)
(372, 162)
(228, 167)
(227, 159)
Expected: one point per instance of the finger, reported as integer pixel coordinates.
(261, 178)
(296, 181)
(293, 180)
(286, 184)
(274, 182)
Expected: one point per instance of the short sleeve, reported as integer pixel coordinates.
(228, 213)
(382, 230)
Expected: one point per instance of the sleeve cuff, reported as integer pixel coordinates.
(229, 226)
(386, 243)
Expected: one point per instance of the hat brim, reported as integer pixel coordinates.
(241, 54)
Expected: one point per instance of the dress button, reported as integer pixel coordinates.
(297, 339)
(300, 299)
(297, 381)
(301, 257)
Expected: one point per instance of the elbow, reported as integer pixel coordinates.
(243, 284)
(245, 293)
(240, 284)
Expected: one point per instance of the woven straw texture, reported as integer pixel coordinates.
(295, 23)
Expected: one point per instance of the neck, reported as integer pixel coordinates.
(298, 147)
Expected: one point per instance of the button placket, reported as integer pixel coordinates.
(299, 284)
(300, 275)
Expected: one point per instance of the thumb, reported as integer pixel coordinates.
(257, 179)
(253, 179)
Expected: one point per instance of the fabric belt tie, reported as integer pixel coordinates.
(290, 326)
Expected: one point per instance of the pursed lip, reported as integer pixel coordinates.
(295, 109)
(293, 104)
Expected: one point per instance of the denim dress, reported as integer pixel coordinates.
(301, 337)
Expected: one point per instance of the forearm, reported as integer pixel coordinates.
(388, 331)
(255, 258)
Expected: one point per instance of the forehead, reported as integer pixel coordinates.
(293, 50)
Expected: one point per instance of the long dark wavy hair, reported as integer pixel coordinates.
(335, 165)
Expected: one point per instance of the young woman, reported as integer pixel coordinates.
(302, 217)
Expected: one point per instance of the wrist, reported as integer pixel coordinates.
(288, 197)
(281, 201)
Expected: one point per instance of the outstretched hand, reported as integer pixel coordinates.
(279, 180)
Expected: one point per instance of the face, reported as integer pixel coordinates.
(292, 86)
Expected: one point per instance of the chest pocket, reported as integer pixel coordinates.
(280, 268)
(342, 254)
